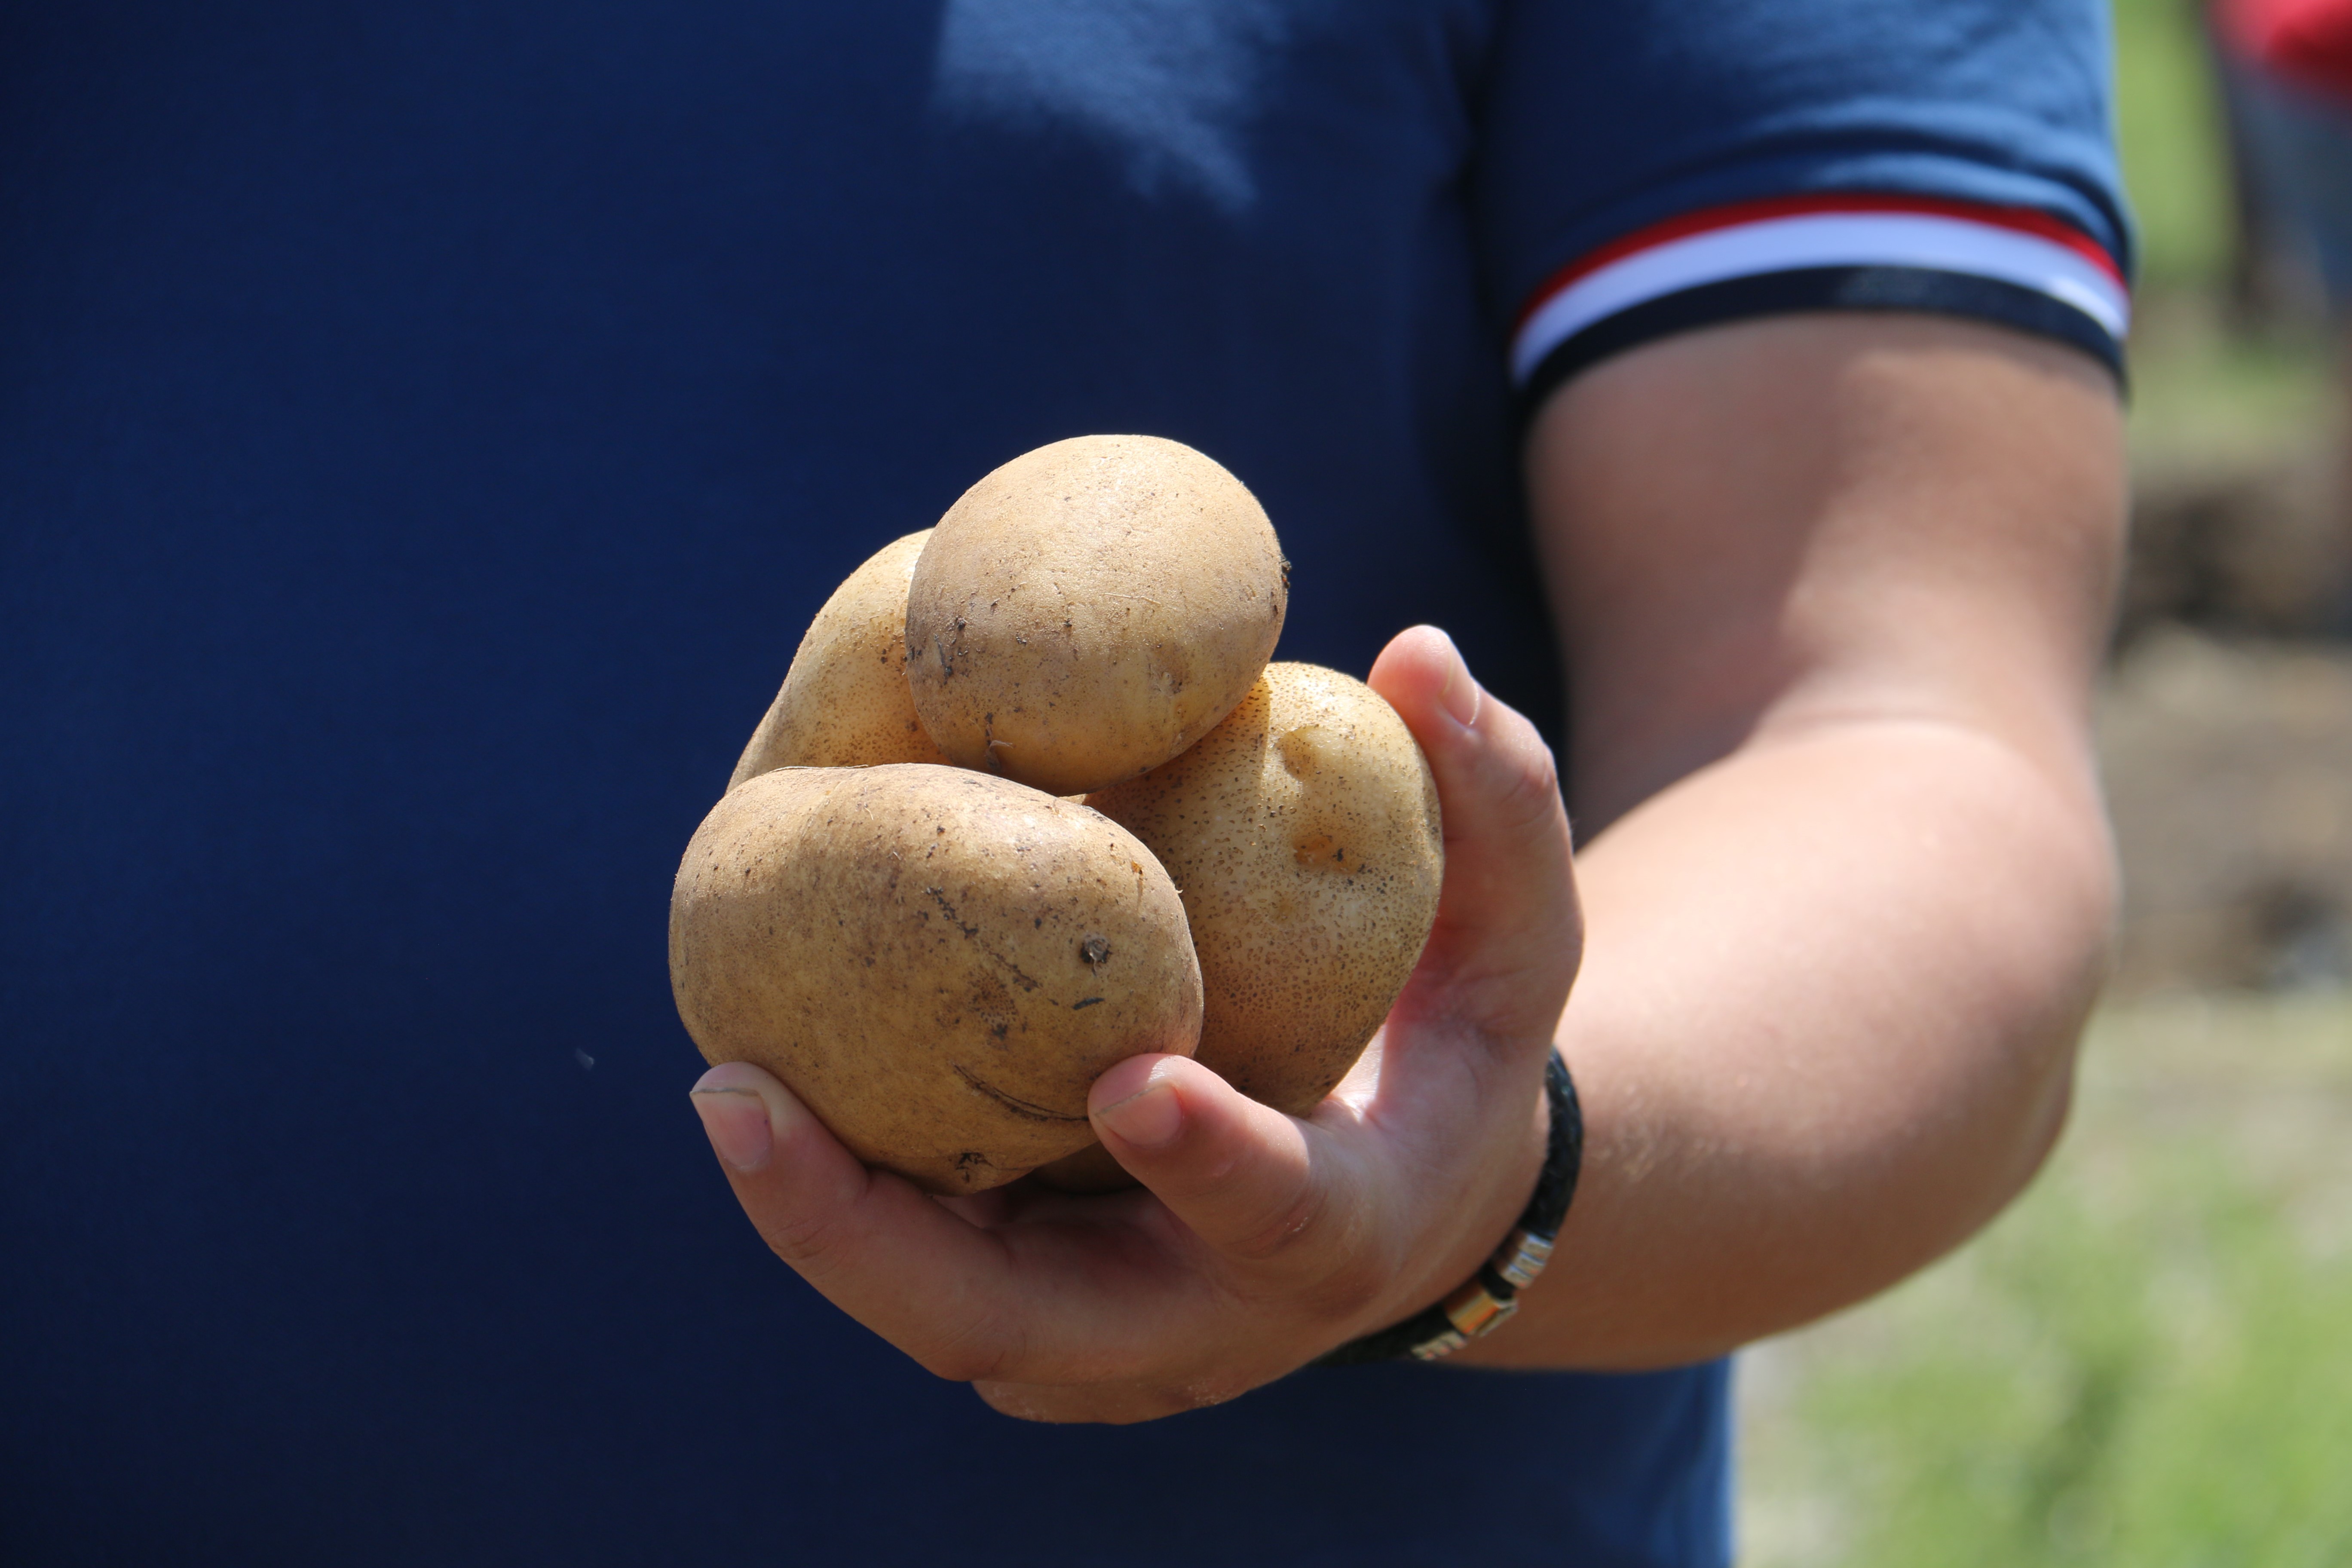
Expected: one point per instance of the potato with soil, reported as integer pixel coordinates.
(1091, 609)
(845, 701)
(940, 963)
(1303, 832)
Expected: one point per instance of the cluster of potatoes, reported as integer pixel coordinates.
(1031, 801)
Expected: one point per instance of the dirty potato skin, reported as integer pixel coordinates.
(1091, 609)
(845, 701)
(1303, 832)
(938, 963)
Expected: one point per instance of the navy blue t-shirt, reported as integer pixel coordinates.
(426, 430)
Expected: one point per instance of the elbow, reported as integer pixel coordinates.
(2058, 956)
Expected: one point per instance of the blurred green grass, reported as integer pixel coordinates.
(2212, 390)
(2148, 1361)
(2169, 131)
(2211, 398)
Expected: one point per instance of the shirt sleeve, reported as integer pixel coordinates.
(1648, 166)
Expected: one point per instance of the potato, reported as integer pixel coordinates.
(1091, 609)
(940, 963)
(1303, 832)
(845, 701)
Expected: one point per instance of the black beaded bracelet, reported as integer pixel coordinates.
(1492, 1294)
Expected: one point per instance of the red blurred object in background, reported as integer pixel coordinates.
(2308, 42)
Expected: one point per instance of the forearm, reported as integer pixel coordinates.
(1823, 1031)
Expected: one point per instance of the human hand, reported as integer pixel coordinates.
(1258, 1240)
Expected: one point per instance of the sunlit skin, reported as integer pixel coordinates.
(1832, 591)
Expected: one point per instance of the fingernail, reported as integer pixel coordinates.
(1462, 697)
(1149, 1118)
(737, 1121)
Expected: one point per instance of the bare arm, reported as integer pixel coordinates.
(1832, 591)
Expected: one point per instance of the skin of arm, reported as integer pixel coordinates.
(1832, 591)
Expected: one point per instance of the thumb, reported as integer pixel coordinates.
(1247, 1180)
(1508, 928)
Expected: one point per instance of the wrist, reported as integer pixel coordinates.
(1484, 1301)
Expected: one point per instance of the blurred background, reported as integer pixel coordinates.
(2148, 1360)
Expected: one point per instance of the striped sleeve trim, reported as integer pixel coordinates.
(2020, 268)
